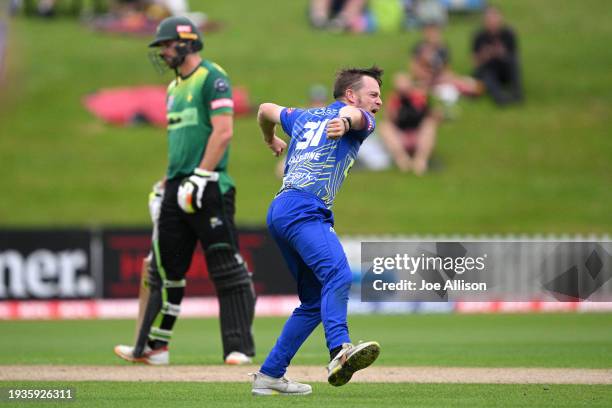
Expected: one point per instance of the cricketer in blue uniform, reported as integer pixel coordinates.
(323, 146)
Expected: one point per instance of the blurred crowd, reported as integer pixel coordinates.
(134, 12)
(425, 94)
(383, 15)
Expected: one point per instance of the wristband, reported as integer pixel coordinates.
(349, 121)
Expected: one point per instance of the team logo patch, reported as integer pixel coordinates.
(183, 29)
(221, 85)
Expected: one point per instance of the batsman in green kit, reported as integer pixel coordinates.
(197, 204)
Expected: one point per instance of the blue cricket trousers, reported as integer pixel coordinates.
(302, 226)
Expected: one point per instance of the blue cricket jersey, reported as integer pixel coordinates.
(314, 163)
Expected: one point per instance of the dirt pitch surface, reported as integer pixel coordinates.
(307, 373)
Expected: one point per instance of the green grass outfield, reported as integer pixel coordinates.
(530, 340)
(115, 394)
(541, 167)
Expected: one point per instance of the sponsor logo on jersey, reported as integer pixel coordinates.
(305, 156)
(323, 111)
(298, 178)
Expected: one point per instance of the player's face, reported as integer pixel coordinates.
(368, 96)
(167, 51)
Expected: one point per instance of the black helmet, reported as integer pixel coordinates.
(178, 29)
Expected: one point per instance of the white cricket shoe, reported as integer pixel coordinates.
(237, 358)
(159, 356)
(266, 385)
(350, 359)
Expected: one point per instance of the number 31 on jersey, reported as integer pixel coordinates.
(313, 134)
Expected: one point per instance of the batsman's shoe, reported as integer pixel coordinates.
(351, 359)
(159, 356)
(266, 385)
(237, 358)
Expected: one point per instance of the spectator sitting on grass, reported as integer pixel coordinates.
(430, 64)
(338, 15)
(409, 126)
(495, 52)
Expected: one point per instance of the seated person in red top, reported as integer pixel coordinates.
(409, 126)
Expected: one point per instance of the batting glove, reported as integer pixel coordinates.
(192, 188)
(155, 200)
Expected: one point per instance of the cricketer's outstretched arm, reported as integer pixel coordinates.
(268, 116)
